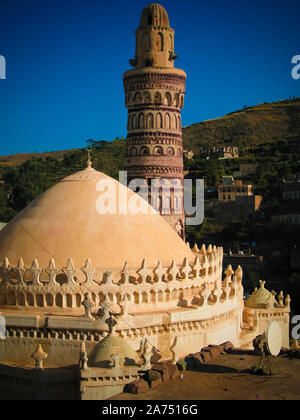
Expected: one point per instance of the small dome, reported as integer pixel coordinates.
(259, 298)
(155, 15)
(111, 345)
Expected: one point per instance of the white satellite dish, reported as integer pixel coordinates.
(274, 338)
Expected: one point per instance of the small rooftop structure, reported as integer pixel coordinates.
(260, 297)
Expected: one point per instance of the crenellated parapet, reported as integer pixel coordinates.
(135, 289)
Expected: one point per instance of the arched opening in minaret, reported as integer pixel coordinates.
(160, 42)
(145, 151)
(134, 121)
(141, 121)
(177, 203)
(158, 99)
(137, 98)
(159, 121)
(169, 98)
(167, 208)
(147, 98)
(150, 121)
(133, 152)
(168, 121)
(158, 151)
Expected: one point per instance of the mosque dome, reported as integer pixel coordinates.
(64, 223)
(259, 298)
(155, 15)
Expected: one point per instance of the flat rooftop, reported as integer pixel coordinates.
(228, 378)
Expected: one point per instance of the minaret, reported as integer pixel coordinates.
(154, 92)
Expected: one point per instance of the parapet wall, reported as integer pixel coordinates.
(140, 288)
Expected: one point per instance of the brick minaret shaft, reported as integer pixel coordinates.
(154, 92)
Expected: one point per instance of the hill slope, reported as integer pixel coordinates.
(264, 123)
(19, 158)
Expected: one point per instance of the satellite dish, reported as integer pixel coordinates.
(274, 338)
(266, 345)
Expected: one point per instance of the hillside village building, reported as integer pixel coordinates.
(97, 297)
(220, 152)
(291, 189)
(229, 189)
(236, 200)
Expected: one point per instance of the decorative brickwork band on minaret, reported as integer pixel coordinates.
(154, 92)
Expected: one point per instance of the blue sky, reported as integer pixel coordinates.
(65, 60)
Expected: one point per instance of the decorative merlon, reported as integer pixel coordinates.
(159, 272)
(39, 356)
(83, 360)
(144, 272)
(88, 271)
(70, 271)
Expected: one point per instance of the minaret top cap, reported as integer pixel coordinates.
(155, 15)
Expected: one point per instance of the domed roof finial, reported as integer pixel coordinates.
(89, 161)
